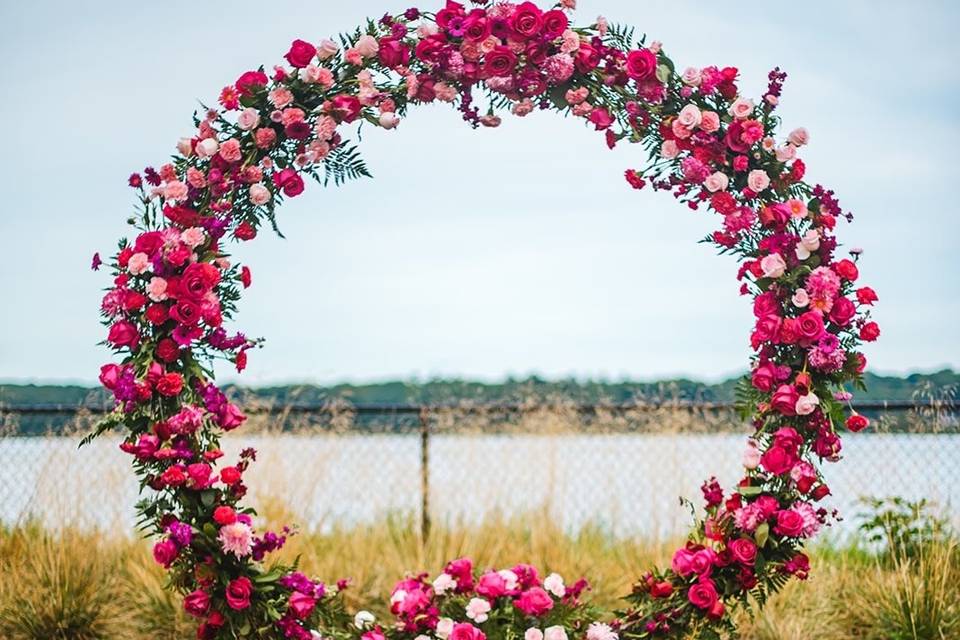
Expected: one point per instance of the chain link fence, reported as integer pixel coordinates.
(619, 467)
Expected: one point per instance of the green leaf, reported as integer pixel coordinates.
(749, 491)
(762, 534)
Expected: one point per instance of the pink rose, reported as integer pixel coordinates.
(197, 603)
(367, 46)
(327, 49)
(690, 116)
(491, 585)
(807, 404)
(717, 181)
(799, 137)
(259, 194)
(810, 326)
(777, 460)
(751, 456)
(165, 552)
(709, 122)
(290, 181)
(789, 524)
(773, 266)
(466, 631)
(703, 594)
(641, 64)
(741, 108)
(534, 602)
(785, 400)
(669, 149)
(301, 605)
(248, 119)
(123, 334)
(764, 376)
(682, 562)
(758, 180)
(743, 550)
(601, 118)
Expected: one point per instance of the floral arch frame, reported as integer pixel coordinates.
(709, 146)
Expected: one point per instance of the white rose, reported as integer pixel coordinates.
(389, 120)
(554, 584)
(555, 632)
(510, 579)
(363, 619)
(444, 627)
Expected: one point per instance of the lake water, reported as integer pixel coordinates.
(628, 483)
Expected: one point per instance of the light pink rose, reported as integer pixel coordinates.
(367, 46)
(207, 148)
(786, 153)
(800, 298)
(751, 457)
(799, 137)
(680, 130)
(325, 78)
(669, 149)
(689, 116)
(773, 266)
(259, 194)
(556, 632)
(709, 121)
(445, 92)
(717, 181)
(691, 77)
(807, 404)
(427, 29)
(157, 289)
(758, 180)
(310, 74)
(533, 634)
(741, 108)
(185, 147)
(809, 243)
(248, 119)
(389, 120)
(327, 49)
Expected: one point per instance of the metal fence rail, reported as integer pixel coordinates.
(617, 465)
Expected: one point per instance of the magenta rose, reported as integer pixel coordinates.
(250, 82)
(109, 375)
(301, 605)
(555, 22)
(587, 58)
(527, 20)
(301, 53)
(682, 563)
(491, 586)
(393, 53)
(767, 328)
(764, 376)
(777, 460)
(842, 312)
(197, 603)
(766, 304)
(462, 571)
(165, 552)
(601, 118)
(703, 560)
(534, 602)
(789, 524)
(641, 64)
(703, 594)
(346, 108)
(785, 399)
(123, 334)
(810, 326)
(290, 181)
(788, 438)
(743, 550)
(499, 62)
(476, 27)
(466, 631)
(238, 593)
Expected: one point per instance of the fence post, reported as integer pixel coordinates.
(424, 474)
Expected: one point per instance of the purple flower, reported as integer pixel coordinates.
(96, 262)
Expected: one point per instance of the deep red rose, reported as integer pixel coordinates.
(123, 334)
(857, 422)
(170, 384)
(661, 589)
(182, 216)
(186, 312)
(393, 53)
(198, 280)
(133, 301)
(345, 108)
(430, 48)
(789, 524)
(866, 295)
(847, 270)
(766, 304)
(157, 313)
(245, 231)
(224, 515)
(238, 593)
(149, 243)
(785, 399)
(250, 81)
(810, 326)
(842, 312)
(301, 54)
(245, 277)
(641, 64)
(788, 438)
(534, 602)
(820, 492)
(123, 258)
(446, 15)
(743, 550)
(555, 22)
(703, 594)
(870, 331)
(173, 477)
(290, 181)
(167, 350)
(500, 62)
(229, 476)
(197, 603)
(527, 20)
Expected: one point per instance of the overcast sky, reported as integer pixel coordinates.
(479, 254)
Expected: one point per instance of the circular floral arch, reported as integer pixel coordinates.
(711, 147)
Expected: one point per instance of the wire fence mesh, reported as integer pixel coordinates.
(619, 467)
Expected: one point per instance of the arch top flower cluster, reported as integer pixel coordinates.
(711, 147)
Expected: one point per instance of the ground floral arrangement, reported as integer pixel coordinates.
(714, 149)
